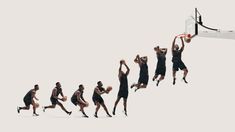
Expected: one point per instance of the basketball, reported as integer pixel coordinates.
(64, 98)
(109, 88)
(187, 38)
(36, 105)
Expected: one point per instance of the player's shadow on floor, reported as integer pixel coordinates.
(28, 116)
(56, 116)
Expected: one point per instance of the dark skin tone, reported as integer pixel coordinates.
(101, 104)
(176, 47)
(82, 103)
(54, 92)
(159, 51)
(120, 73)
(140, 60)
(33, 102)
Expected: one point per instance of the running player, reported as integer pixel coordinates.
(123, 88)
(161, 64)
(55, 99)
(77, 99)
(29, 100)
(177, 61)
(98, 100)
(143, 75)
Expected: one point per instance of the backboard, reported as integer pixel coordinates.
(195, 27)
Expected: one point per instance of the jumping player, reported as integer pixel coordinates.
(123, 88)
(177, 61)
(161, 64)
(55, 99)
(77, 99)
(98, 100)
(143, 75)
(29, 100)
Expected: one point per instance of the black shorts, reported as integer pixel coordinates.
(98, 99)
(54, 101)
(27, 102)
(75, 102)
(160, 71)
(143, 80)
(123, 94)
(178, 65)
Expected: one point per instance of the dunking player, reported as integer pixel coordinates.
(177, 61)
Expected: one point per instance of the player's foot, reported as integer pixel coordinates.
(154, 78)
(35, 114)
(86, 116)
(95, 115)
(113, 112)
(157, 82)
(18, 109)
(136, 89)
(108, 115)
(133, 85)
(69, 113)
(43, 109)
(174, 81)
(125, 112)
(185, 80)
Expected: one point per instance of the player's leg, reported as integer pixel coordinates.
(155, 77)
(52, 106)
(97, 108)
(175, 69)
(125, 105)
(49, 106)
(174, 76)
(63, 108)
(140, 81)
(184, 68)
(23, 108)
(143, 86)
(82, 110)
(160, 79)
(157, 73)
(162, 73)
(106, 110)
(143, 82)
(26, 107)
(34, 108)
(135, 85)
(115, 104)
(185, 74)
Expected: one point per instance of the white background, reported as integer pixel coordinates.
(75, 42)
